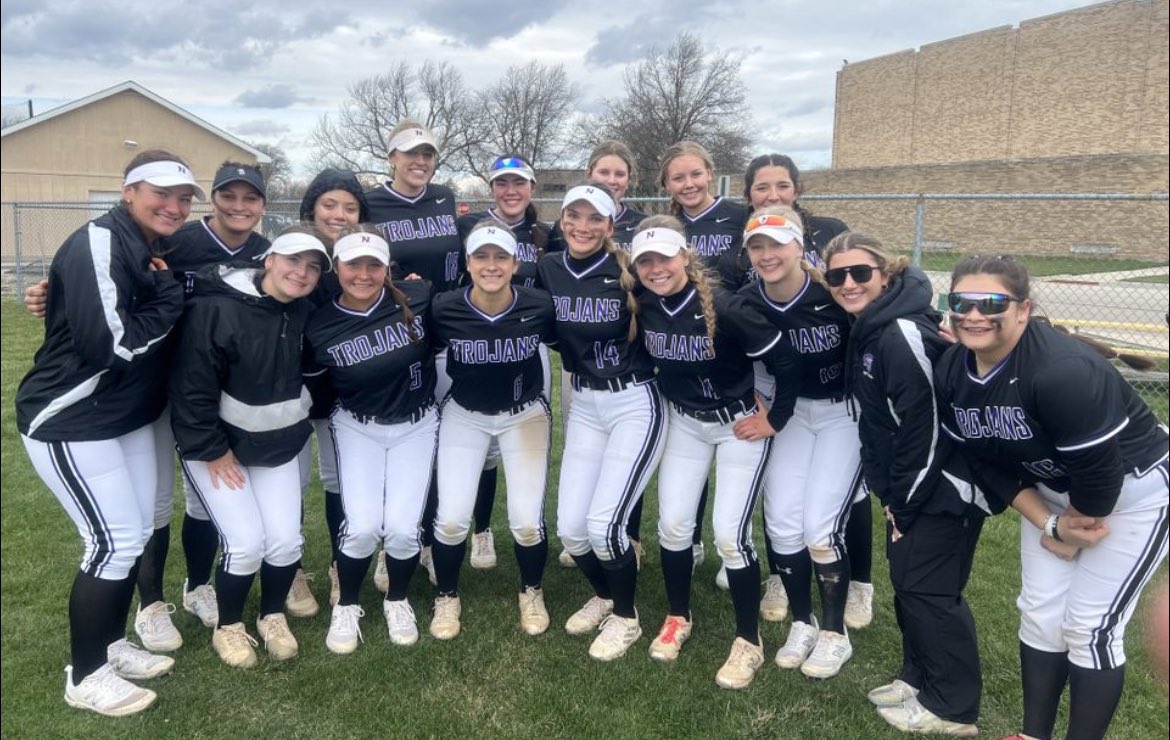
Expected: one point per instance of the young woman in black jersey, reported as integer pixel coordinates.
(934, 514)
(494, 331)
(703, 341)
(1053, 429)
(616, 423)
(371, 360)
(815, 467)
(512, 181)
(240, 413)
(85, 413)
(775, 180)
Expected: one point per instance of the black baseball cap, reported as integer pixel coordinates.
(230, 173)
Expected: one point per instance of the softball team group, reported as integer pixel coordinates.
(802, 359)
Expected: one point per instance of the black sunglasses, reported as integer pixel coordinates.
(989, 304)
(860, 273)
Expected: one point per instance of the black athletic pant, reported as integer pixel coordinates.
(929, 567)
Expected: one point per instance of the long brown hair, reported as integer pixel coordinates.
(887, 264)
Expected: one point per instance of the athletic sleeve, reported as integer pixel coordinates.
(1081, 407)
(196, 385)
(108, 327)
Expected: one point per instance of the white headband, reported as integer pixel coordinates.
(295, 243)
(491, 235)
(596, 197)
(352, 246)
(164, 175)
(664, 241)
(412, 138)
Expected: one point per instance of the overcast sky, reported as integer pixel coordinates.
(267, 71)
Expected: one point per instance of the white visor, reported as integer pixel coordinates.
(412, 138)
(664, 241)
(295, 243)
(596, 197)
(164, 175)
(352, 246)
(491, 235)
(777, 228)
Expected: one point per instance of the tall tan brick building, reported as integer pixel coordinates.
(1072, 102)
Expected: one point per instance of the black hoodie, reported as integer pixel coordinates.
(889, 372)
(237, 382)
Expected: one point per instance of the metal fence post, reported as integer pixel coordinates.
(16, 247)
(919, 218)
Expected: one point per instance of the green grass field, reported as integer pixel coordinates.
(492, 681)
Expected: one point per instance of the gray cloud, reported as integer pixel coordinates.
(476, 23)
(271, 96)
(656, 28)
(262, 128)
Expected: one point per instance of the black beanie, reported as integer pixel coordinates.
(334, 179)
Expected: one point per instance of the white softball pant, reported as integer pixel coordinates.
(384, 471)
(107, 488)
(812, 478)
(613, 442)
(164, 500)
(464, 439)
(1084, 605)
(493, 453)
(260, 522)
(739, 474)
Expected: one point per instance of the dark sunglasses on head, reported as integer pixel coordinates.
(989, 304)
(860, 273)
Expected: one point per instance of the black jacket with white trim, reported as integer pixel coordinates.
(236, 382)
(101, 370)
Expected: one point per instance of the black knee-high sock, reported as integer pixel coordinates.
(590, 567)
(698, 536)
(796, 574)
(833, 584)
(399, 573)
(1092, 699)
(334, 516)
(622, 576)
(430, 508)
(676, 572)
(773, 565)
(230, 594)
(1043, 676)
(93, 613)
(634, 523)
(485, 499)
(275, 581)
(448, 560)
(350, 574)
(153, 563)
(125, 595)
(199, 543)
(745, 597)
(859, 541)
(531, 560)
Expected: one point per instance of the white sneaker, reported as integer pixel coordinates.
(699, 553)
(345, 631)
(155, 629)
(483, 550)
(774, 604)
(892, 694)
(802, 638)
(105, 692)
(234, 645)
(831, 652)
(278, 638)
(589, 617)
(334, 585)
(201, 602)
(445, 621)
(616, 636)
(911, 716)
(533, 615)
(566, 559)
(132, 662)
(668, 644)
(400, 622)
(381, 575)
(721, 581)
(427, 560)
(859, 605)
(741, 665)
(300, 601)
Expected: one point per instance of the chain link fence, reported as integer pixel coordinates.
(1099, 261)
